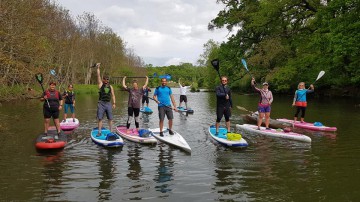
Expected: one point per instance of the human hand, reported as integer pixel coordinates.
(227, 96)
(98, 65)
(113, 106)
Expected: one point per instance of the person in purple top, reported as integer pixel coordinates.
(264, 104)
(135, 95)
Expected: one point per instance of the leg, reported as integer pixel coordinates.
(260, 118)
(130, 116)
(46, 124)
(219, 115)
(185, 100)
(136, 114)
(303, 109)
(267, 119)
(228, 125)
(65, 112)
(227, 114)
(99, 126)
(110, 124)
(161, 118)
(296, 114)
(170, 117)
(57, 123)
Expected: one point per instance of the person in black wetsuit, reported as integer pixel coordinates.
(223, 104)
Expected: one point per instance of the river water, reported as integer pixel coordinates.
(328, 169)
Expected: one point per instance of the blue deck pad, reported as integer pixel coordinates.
(222, 132)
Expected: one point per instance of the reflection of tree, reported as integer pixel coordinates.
(165, 170)
(134, 164)
(107, 168)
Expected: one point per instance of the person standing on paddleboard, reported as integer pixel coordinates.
(135, 94)
(223, 104)
(300, 100)
(52, 107)
(264, 105)
(106, 94)
(145, 97)
(183, 97)
(162, 95)
(69, 96)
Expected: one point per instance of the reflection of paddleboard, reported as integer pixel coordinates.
(146, 110)
(69, 124)
(51, 141)
(176, 140)
(223, 139)
(252, 129)
(310, 126)
(107, 138)
(188, 110)
(142, 136)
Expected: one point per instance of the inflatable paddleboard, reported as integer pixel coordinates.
(188, 110)
(278, 133)
(310, 126)
(252, 119)
(143, 136)
(227, 139)
(69, 124)
(146, 110)
(51, 141)
(176, 140)
(107, 138)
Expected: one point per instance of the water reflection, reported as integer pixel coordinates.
(107, 170)
(135, 171)
(165, 170)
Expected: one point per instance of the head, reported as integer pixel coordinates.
(301, 85)
(52, 85)
(135, 84)
(265, 85)
(105, 79)
(224, 80)
(163, 82)
(70, 87)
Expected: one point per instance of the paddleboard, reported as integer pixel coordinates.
(222, 138)
(69, 124)
(51, 141)
(107, 138)
(176, 140)
(310, 126)
(143, 136)
(146, 110)
(188, 110)
(278, 133)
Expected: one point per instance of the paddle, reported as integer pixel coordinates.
(166, 106)
(247, 70)
(39, 77)
(216, 64)
(242, 108)
(52, 72)
(321, 74)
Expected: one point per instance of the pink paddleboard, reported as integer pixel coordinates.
(309, 126)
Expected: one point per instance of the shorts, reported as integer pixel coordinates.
(133, 111)
(69, 106)
(104, 107)
(165, 110)
(223, 111)
(183, 98)
(264, 108)
(145, 99)
(51, 112)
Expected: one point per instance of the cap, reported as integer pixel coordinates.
(52, 82)
(265, 83)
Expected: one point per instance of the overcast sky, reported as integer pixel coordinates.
(161, 32)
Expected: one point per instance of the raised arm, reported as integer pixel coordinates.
(100, 83)
(123, 82)
(146, 83)
(179, 83)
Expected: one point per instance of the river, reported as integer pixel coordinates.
(269, 169)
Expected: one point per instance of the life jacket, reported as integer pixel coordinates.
(105, 93)
(70, 98)
(52, 95)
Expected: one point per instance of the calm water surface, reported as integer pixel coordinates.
(328, 169)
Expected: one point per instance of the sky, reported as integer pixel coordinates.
(161, 32)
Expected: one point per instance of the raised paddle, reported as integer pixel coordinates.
(321, 74)
(216, 64)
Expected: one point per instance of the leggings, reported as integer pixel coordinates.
(131, 112)
(302, 109)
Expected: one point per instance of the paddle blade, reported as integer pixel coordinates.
(39, 77)
(215, 63)
(321, 74)
(52, 72)
(245, 64)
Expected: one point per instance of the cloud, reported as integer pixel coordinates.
(162, 32)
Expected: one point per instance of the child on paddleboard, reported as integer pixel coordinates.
(300, 100)
(69, 96)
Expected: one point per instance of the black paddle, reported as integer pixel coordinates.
(216, 64)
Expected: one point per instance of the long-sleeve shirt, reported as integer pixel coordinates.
(300, 95)
(221, 96)
(266, 97)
